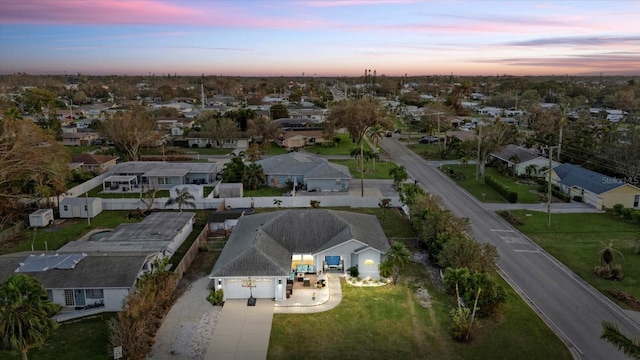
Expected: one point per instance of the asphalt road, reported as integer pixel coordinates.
(571, 307)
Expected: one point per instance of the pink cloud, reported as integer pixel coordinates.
(336, 3)
(140, 12)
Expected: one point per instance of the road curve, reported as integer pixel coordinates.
(571, 307)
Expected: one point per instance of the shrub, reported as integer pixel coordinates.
(503, 190)
(626, 213)
(617, 209)
(577, 198)
(560, 195)
(511, 218)
(215, 297)
(635, 217)
(353, 271)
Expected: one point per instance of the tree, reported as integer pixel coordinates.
(218, 128)
(314, 204)
(183, 198)
(376, 132)
(253, 176)
(398, 257)
(279, 111)
(233, 171)
(265, 130)
(628, 345)
(491, 138)
(25, 314)
(384, 204)
(399, 175)
(32, 163)
(131, 130)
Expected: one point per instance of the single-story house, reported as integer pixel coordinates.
(92, 162)
(598, 190)
(163, 175)
(519, 159)
(79, 281)
(300, 137)
(79, 207)
(201, 140)
(307, 171)
(265, 250)
(78, 138)
(160, 234)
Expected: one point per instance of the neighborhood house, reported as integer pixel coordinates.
(267, 252)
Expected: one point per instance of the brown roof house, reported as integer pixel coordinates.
(92, 162)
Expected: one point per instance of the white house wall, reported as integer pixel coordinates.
(345, 250)
(113, 298)
(368, 269)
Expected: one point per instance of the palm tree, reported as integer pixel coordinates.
(376, 132)
(384, 204)
(398, 256)
(253, 176)
(607, 254)
(183, 198)
(611, 333)
(314, 204)
(25, 314)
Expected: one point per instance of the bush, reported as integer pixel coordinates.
(511, 218)
(560, 195)
(617, 209)
(353, 271)
(577, 198)
(215, 297)
(626, 213)
(503, 190)
(635, 217)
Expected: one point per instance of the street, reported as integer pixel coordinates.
(571, 307)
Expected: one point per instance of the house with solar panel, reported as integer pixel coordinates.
(596, 189)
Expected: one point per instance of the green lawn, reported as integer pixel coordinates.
(478, 187)
(343, 147)
(86, 339)
(430, 151)
(381, 171)
(387, 323)
(575, 239)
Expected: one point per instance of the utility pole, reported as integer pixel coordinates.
(550, 149)
(478, 151)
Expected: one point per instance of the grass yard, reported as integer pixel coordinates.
(381, 171)
(430, 151)
(264, 191)
(575, 239)
(86, 339)
(387, 322)
(343, 147)
(478, 187)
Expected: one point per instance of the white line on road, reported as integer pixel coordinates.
(527, 251)
(502, 230)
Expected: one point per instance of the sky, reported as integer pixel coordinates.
(319, 37)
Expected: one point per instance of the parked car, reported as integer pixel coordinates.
(428, 139)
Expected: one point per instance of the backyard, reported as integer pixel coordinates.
(527, 193)
(341, 147)
(575, 240)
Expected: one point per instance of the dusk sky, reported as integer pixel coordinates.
(325, 38)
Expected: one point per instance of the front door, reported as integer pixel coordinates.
(79, 297)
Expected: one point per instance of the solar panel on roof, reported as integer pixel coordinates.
(38, 263)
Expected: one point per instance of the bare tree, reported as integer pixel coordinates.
(130, 130)
(218, 128)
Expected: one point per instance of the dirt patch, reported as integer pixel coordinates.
(434, 271)
(631, 301)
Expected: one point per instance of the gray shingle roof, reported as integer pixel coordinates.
(573, 175)
(523, 154)
(262, 244)
(96, 270)
(296, 163)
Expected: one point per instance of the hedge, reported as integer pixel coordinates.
(503, 190)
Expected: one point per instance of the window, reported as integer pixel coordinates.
(94, 293)
(69, 299)
(66, 207)
(636, 201)
(369, 262)
(50, 295)
(85, 208)
(164, 181)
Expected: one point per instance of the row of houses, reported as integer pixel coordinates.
(596, 189)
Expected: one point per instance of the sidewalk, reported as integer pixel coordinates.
(556, 208)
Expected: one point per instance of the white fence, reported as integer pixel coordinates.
(87, 185)
(159, 203)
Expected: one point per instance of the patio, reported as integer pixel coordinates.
(303, 296)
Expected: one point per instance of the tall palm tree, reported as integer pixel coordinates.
(25, 314)
(253, 176)
(183, 198)
(629, 346)
(376, 132)
(398, 256)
